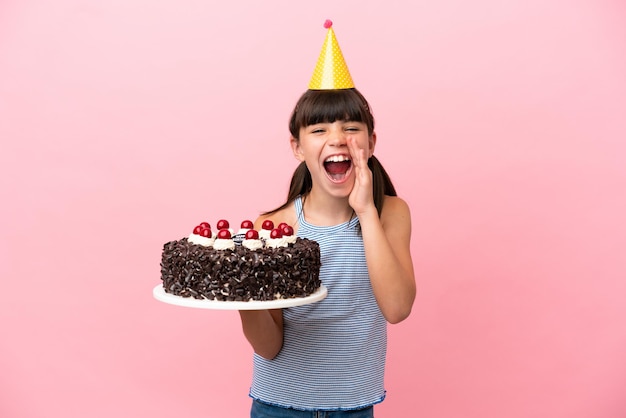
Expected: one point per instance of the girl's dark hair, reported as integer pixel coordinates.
(327, 106)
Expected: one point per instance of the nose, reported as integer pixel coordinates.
(336, 137)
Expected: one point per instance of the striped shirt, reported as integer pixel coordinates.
(333, 354)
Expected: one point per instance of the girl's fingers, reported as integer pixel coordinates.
(358, 154)
(361, 196)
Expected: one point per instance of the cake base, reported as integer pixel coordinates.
(161, 295)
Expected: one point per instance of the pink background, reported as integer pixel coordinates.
(124, 123)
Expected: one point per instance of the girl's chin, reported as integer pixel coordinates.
(341, 189)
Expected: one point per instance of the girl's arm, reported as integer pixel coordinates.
(387, 251)
(386, 240)
(264, 331)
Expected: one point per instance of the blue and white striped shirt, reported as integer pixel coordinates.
(333, 354)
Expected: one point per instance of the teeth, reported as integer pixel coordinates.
(336, 159)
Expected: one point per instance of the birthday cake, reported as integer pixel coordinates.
(249, 265)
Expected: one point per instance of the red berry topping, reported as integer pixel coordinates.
(205, 232)
(247, 224)
(224, 234)
(287, 230)
(276, 233)
(252, 234)
(197, 230)
(268, 224)
(281, 225)
(223, 224)
(205, 225)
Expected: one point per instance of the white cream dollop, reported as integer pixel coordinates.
(252, 244)
(224, 244)
(276, 242)
(200, 240)
(291, 239)
(265, 233)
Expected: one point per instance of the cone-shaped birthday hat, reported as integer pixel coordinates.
(331, 71)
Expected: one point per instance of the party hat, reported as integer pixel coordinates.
(331, 71)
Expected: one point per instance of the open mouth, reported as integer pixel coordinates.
(337, 167)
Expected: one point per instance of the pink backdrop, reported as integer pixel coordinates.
(124, 123)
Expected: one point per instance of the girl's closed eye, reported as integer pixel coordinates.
(316, 129)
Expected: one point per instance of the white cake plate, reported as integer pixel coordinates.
(161, 295)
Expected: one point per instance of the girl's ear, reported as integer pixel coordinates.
(372, 143)
(295, 147)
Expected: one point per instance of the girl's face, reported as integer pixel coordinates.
(324, 149)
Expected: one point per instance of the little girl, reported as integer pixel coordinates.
(328, 358)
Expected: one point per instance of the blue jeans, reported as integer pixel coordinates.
(263, 410)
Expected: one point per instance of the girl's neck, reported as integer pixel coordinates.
(326, 210)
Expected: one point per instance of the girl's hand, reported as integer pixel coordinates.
(361, 197)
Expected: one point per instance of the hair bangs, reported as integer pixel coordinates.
(328, 106)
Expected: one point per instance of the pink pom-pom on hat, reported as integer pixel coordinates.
(328, 23)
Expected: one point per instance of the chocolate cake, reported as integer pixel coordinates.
(279, 266)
